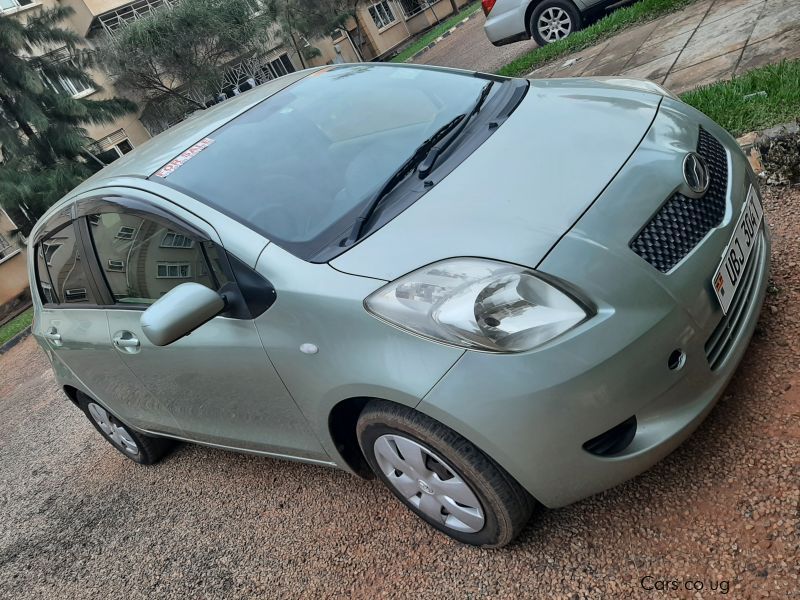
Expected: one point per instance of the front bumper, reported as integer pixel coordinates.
(533, 412)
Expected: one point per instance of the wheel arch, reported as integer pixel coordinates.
(72, 394)
(529, 13)
(342, 420)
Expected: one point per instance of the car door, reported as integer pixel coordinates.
(217, 382)
(73, 329)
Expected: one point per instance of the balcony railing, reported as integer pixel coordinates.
(119, 17)
(414, 7)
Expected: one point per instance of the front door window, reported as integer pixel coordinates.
(142, 260)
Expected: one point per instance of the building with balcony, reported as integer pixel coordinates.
(378, 30)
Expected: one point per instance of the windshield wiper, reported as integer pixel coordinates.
(399, 175)
(426, 166)
(423, 157)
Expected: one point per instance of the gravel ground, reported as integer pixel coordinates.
(469, 48)
(77, 520)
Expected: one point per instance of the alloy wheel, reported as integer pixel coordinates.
(111, 427)
(554, 24)
(429, 483)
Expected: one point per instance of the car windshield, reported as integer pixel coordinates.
(299, 166)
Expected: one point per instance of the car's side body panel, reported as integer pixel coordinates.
(357, 355)
(216, 386)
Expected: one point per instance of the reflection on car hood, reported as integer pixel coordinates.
(515, 196)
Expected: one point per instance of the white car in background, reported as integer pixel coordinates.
(546, 21)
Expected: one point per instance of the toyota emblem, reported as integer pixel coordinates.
(695, 173)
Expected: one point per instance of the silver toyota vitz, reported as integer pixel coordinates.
(489, 292)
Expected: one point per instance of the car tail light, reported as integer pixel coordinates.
(488, 5)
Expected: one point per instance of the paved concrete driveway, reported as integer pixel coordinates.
(709, 41)
(469, 48)
(77, 520)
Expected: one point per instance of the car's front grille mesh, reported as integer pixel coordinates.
(721, 341)
(682, 222)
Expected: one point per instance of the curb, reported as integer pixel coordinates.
(15, 340)
(444, 35)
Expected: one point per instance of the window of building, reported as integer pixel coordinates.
(414, 7)
(6, 247)
(382, 14)
(281, 66)
(176, 240)
(149, 260)
(175, 270)
(67, 86)
(75, 295)
(10, 5)
(117, 266)
(124, 233)
(62, 270)
(49, 249)
(114, 152)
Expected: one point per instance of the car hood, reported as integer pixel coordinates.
(524, 188)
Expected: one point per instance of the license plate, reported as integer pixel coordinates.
(729, 273)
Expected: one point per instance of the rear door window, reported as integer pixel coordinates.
(62, 269)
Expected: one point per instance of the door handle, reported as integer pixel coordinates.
(125, 342)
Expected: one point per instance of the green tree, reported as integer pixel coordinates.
(308, 19)
(179, 54)
(42, 136)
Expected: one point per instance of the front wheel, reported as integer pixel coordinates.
(553, 20)
(442, 477)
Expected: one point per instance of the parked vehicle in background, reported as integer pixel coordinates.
(488, 292)
(546, 21)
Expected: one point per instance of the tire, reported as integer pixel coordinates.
(140, 448)
(492, 507)
(556, 12)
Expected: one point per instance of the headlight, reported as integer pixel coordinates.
(479, 304)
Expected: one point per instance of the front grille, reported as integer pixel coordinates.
(720, 344)
(682, 222)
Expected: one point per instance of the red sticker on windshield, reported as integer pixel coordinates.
(183, 157)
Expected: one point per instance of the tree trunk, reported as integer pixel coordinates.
(454, 4)
(291, 35)
(298, 50)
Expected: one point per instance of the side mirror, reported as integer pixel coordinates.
(179, 312)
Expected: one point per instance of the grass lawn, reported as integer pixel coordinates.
(644, 10)
(15, 325)
(725, 101)
(436, 32)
